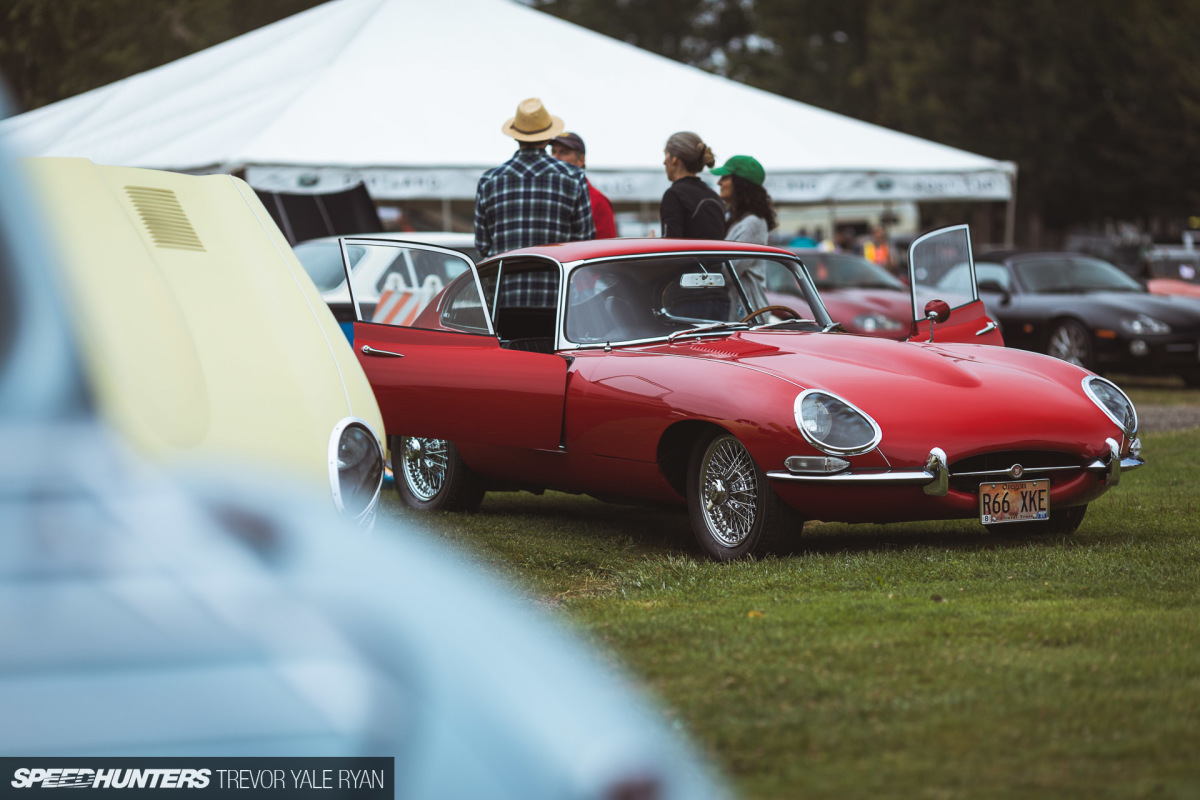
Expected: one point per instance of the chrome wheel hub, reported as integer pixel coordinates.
(1069, 344)
(424, 466)
(729, 491)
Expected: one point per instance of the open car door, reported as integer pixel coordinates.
(937, 315)
(433, 358)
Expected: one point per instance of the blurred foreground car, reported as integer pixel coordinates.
(1086, 312)
(225, 614)
(638, 370)
(202, 334)
(409, 278)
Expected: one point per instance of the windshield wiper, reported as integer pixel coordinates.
(783, 322)
(709, 328)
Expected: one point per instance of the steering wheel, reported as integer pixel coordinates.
(791, 312)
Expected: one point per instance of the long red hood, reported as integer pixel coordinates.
(960, 397)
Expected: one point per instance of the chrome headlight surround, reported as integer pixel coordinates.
(1113, 402)
(355, 469)
(819, 415)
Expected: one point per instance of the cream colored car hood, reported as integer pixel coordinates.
(203, 334)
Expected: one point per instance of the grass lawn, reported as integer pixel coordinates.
(920, 660)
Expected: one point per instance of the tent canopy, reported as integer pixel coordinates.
(409, 96)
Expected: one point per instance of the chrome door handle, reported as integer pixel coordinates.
(991, 326)
(367, 350)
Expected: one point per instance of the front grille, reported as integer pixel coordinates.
(996, 466)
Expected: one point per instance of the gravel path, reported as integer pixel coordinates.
(1167, 418)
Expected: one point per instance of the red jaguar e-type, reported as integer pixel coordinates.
(642, 370)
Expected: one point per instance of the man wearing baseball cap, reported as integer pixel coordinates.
(531, 199)
(569, 147)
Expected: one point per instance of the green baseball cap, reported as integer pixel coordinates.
(744, 167)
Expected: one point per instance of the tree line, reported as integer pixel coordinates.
(1097, 101)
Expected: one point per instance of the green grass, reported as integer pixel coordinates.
(1167, 390)
(918, 660)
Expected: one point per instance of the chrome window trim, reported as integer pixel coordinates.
(571, 266)
(367, 515)
(559, 300)
(1087, 382)
(830, 449)
(345, 241)
(918, 314)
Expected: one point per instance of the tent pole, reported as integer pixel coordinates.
(1010, 216)
(447, 218)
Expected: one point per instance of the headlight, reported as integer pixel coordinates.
(1144, 324)
(355, 468)
(834, 426)
(1112, 401)
(875, 322)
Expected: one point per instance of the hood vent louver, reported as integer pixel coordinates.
(164, 218)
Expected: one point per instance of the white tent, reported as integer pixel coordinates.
(409, 96)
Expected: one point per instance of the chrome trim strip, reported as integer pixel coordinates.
(907, 478)
(1008, 471)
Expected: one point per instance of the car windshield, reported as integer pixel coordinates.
(1068, 275)
(842, 271)
(322, 260)
(649, 298)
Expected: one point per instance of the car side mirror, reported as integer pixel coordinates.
(937, 310)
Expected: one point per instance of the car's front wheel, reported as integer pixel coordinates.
(1070, 341)
(431, 476)
(733, 510)
(1061, 523)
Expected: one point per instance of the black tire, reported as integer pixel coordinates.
(431, 476)
(1070, 342)
(733, 510)
(1061, 523)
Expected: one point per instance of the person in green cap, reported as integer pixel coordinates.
(751, 213)
(751, 216)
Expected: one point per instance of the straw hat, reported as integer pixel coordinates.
(533, 123)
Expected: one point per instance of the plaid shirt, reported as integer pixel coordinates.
(531, 199)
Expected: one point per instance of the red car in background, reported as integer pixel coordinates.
(864, 297)
(640, 370)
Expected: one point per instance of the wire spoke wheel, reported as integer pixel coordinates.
(729, 490)
(423, 465)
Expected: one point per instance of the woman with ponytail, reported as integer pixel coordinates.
(690, 209)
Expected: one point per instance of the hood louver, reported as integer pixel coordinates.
(164, 218)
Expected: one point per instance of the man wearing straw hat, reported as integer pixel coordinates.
(531, 199)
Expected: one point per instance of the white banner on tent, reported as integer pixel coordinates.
(640, 185)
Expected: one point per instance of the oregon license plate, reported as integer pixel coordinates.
(1014, 501)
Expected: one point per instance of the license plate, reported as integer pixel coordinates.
(1014, 501)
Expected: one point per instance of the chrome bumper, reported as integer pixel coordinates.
(935, 477)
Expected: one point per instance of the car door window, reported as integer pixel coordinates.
(522, 298)
(385, 289)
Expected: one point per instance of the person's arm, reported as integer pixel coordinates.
(483, 233)
(671, 214)
(582, 227)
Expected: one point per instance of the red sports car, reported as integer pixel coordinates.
(642, 370)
